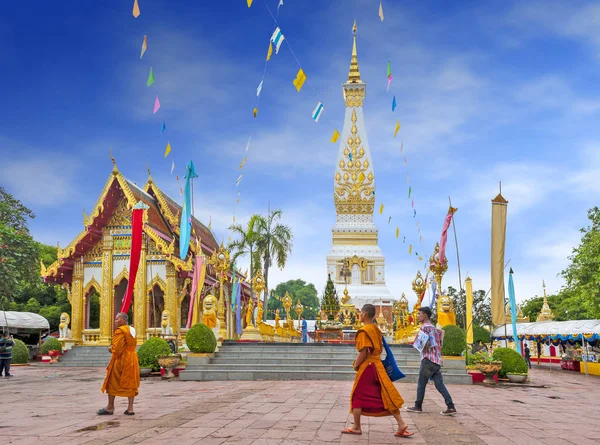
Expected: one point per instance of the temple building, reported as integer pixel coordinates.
(94, 267)
(355, 236)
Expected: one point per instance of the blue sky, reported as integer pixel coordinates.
(502, 92)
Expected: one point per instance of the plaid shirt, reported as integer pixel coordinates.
(433, 353)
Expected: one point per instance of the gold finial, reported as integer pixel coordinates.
(544, 286)
(354, 74)
(115, 169)
(149, 174)
(85, 218)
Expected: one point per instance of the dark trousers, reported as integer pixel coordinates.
(5, 366)
(528, 360)
(430, 370)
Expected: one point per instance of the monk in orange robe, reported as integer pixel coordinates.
(373, 393)
(123, 371)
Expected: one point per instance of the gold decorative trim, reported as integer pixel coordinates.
(157, 281)
(183, 292)
(354, 97)
(92, 283)
(124, 274)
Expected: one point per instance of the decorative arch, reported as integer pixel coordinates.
(157, 281)
(92, 284)
(124, 274)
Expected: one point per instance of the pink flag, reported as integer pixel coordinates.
(156, 104)
(195, 281)
(444, 237)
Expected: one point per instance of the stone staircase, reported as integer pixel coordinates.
(85, 356)
(297, 361)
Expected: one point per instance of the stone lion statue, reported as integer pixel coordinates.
(63, 327)
(209, 314)
(165, 323)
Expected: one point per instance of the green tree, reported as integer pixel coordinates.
(274, 243)
(330, 302)
(297, 289)
(246, 244)
(482, 312)
(32, 306)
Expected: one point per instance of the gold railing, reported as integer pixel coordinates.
(91, 336)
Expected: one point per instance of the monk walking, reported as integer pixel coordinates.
(373, 393)
(123, 371)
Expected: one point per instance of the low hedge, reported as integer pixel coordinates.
(455, 340)
(201, 339)
(481, 334)
(51, 344)
(20, 353)
(150, 350)
(512, 362)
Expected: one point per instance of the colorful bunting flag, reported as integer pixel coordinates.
(409, 192)
(277, 38)
(249, 2)
(335, 137)
(259, 89)
(238, 180)
(136, 9)
(404, 160)
(248, 144)
(279, 5)
(394, 104)
(397, 232)
(410, 250)
(150, 80)
(255, 112)
(172, 167)
(168, 149)
(420, 258)
(389, 219)
(401, 146)
(397, 128)
(269, 51)
(180, 191)
(381, 10)
(415, 214)
(163, 128)
(144, 47)
(381, 209)
(389, 75)
(242, 164)
(317, 112)
(299, 80)
(403, 240)
(233, 220)
(156, 104)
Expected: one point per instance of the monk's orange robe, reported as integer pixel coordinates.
(391, 401)
(210, 320)
(123, 371)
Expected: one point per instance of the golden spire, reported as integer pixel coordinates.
(354, 74)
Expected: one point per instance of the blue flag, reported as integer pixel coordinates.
(394, 104)
(513, 309)
(185, 226)
(233, 288)
(163, 128)
(433, 294)
(238, 309)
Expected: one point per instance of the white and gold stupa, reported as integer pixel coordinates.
(355, 237)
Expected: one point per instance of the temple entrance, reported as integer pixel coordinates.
(155, 309)
(92, 310)
(119, 293)
(185, 310)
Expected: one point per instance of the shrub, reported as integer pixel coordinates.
(201, 339)
(455, 340)
(51, 344)
(481, 334)
(512, 362)
(20, 353)
(150, 350)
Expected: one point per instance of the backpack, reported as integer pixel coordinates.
(390, 365)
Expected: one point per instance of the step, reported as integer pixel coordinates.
(280, 368)
(220, 360)
(311, 354)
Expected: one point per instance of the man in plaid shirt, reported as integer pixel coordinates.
(431, 364)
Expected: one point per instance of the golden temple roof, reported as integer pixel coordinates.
(354, 74)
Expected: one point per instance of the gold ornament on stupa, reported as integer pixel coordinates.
(546, 313)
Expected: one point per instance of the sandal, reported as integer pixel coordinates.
(104, 412)
(351, 431)
(404, 433)
(128, 413)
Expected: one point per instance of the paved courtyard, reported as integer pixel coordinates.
(57, 406)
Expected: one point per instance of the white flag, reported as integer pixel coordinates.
(381, 10)
(172, 167)
(248, 144)
(259, 89)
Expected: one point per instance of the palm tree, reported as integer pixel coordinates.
(246, 244)
(274, 244)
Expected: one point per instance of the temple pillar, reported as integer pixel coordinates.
(77, 302)
(106, 296)
(171, 296)
(140, 309)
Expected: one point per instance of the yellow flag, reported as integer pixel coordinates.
(335, 137)
(397, 128)
(234, 219)
(410, 249)
(270, 51)
(381, 209)
(136, 9)
(249, 2)
(168, 149)
(255, 112)
(420, 258)
(242, 164)
(361, 178)
(397, 232)
(299, 80)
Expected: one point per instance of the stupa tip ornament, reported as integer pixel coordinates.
(354, 74)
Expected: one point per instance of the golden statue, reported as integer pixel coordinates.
(520, 317)
(445, 312)
(63, 327)
(259, 315)
(249, 312)
(209, 313)
(277, 318)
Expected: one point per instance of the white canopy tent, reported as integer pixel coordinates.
(571, 330)
(16, 321)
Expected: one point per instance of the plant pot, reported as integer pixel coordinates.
(53, 356)
(168, 362)
(517, 378)
(145, 372)
(489, 370)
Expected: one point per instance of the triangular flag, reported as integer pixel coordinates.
(409, 192)
(258, 90)
(234, 219)
(394, 104)
(397, 129)
(144, 47)
(238, 180)
(177, 178)
(255, 112)
(156, 104)
(180, 191)
(270, 51)
(415, 214)
(242, 164)
(335, 137)
(404, 160)
(389, 219)
(403, 240)
(279, 5)
(163, 128)
(136, 9)
(299, 80)
(389, 75)
(172, 167)
(420, 258)
(381, 11)
(410, 249)
(150, 80)
(420, 239)
(381, 209)
(249, 2)
(317, 112)
(413, 203)
(401, 146)
(248, 144)
(397, 232)
(168, 149)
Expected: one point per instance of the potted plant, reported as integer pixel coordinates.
(53, 348)
(488, 366)
(168, 362)
(148, 355)
(514, 366)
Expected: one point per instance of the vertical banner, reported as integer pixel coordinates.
(499, 206)
(513, 310)
(137, 223)
(197, 268)
(238, 309)
(444, 236)
(185, 226)
(196, 318)
(469, 288)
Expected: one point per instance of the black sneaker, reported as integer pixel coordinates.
(450, 411)
(415, 409)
